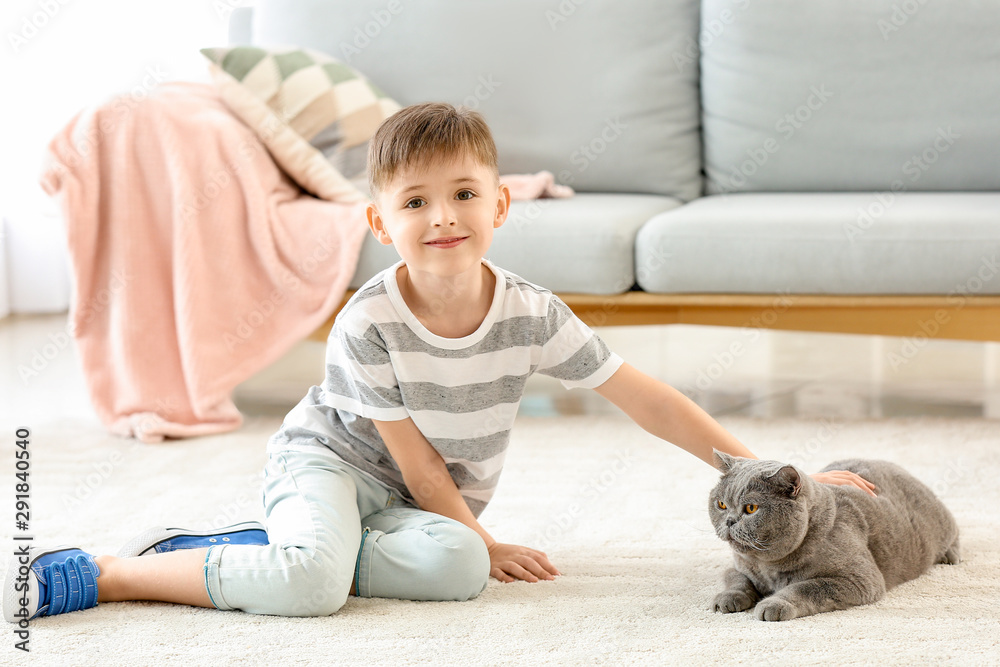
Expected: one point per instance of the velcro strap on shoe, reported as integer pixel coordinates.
(72, 584)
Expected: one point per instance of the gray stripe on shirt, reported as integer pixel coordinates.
(378, 289)
(473, 449)
(466, 480)
(369, 350)
(463, 398)
(340, 383)
(517, 331)
(582, 364)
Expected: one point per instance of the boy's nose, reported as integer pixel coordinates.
(443, 217)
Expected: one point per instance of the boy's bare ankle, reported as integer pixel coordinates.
(107, 583)
(176, 576)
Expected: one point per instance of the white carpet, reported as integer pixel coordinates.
(625, 522)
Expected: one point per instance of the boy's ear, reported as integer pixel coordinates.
(376, 225)
(503, 205)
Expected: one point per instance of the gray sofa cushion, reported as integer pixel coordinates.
(856, 96)
(839, 243)
(589, 91)
(565, 245)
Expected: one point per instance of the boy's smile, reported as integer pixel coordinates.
(447, 242)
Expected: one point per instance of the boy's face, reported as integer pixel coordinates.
(441, 216)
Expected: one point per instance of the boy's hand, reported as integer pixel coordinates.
(509, 562)
(845, 478)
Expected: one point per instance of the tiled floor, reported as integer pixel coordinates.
(776, 374)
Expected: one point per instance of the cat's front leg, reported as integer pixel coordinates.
(814, 596)
(740, 593)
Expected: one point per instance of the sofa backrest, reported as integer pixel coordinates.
(604, 95)
(850, 95)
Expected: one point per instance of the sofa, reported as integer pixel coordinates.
(832, 167)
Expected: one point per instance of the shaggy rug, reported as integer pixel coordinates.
(624, 519)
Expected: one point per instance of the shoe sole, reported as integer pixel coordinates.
(144, 544)
(12, 596)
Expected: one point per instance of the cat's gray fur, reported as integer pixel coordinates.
(813, 547)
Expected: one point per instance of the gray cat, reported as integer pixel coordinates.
(802, 547)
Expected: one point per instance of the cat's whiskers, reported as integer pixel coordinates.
(750, 541)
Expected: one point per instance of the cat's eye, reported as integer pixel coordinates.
(720, 504)
(749, 509)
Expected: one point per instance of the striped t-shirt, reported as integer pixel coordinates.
(462, 393)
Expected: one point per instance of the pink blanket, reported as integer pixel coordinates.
(197, 261)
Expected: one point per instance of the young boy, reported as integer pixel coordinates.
(376, 478)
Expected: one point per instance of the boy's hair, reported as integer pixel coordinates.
(423, 132)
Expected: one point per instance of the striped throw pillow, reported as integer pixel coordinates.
(315, 114)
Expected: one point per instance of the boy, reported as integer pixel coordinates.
(375, 480)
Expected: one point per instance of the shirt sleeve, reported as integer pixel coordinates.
(572, 353)
(359, 375)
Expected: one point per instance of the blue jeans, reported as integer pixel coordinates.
(330, 525)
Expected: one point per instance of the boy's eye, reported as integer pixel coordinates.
(465, 195)
(414, 203)
(749, 509)
(721, 504)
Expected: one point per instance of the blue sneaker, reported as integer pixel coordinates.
(161, 540)
(45, 582)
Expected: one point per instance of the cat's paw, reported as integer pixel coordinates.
(729, 602)
(953, 556)
(775, 609)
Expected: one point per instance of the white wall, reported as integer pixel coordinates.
(57, 57)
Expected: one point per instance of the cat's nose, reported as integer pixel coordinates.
(730, 521)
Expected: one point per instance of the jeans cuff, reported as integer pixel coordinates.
(213, 581)
(363, 569)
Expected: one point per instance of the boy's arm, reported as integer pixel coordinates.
(433, 489)
(667, 413)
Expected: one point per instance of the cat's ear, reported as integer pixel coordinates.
(724, 462)
(788, 480)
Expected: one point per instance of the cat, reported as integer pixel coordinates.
(801, 547)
